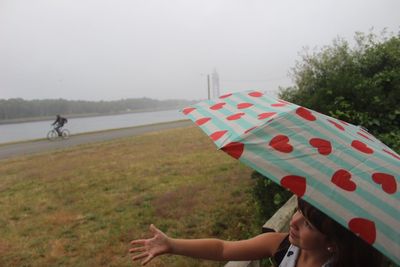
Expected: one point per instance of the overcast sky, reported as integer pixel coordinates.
(164, 49)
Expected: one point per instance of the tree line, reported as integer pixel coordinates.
(18, 108)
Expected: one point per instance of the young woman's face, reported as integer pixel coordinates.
(304, 235)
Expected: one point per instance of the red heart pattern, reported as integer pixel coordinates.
(244, 105)
(296, 184)
(391, 154)
(342, 179)
(234, 149)
(365, 131)
(187, 110)
(305, 114)
(324, 146)
(364, 228)
(283, 101)
(235, 116)
(362, 147)
(218, 106)
(250, 129)
(337, 125)
(225, 96)
(281, 143)
(387, 181)
(277, 105)
(256, 94)
(202, 121)
(266, 115)
(217, 135)
(365, 136)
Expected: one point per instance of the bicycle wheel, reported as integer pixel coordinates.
(52, 135)
(65, 134)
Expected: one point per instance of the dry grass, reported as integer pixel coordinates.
(82, 206)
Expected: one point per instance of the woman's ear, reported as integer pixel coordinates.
(330, 247)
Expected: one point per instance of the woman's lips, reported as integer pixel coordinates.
(292, 235)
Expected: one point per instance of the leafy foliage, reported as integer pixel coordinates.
(269, 196)
(359, 84)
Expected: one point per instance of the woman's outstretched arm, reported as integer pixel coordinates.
(261, 246)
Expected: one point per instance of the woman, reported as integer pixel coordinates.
(313, 240)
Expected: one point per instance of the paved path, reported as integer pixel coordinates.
(30, 147)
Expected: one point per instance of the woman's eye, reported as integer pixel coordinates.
(308, 225)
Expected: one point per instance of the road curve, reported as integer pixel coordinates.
(31, 147)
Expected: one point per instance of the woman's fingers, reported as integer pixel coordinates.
(147, 248)
(140, 256)
(154, 230)
(137, 249)
(149, 258)
(138, 242)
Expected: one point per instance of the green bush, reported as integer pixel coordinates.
(269, 196)
(359, 84)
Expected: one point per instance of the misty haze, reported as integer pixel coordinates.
(111, 50)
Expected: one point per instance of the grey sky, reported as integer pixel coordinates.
(113, 49)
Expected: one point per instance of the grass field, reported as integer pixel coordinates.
(82, 206)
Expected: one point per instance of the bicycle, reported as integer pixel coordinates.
(53, 134)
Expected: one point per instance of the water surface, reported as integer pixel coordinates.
(38, 129)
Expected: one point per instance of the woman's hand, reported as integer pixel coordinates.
(150, 248)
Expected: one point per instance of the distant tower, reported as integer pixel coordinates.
(215, 85)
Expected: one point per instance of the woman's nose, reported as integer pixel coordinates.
(294, 222)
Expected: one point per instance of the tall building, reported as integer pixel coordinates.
(215, 93)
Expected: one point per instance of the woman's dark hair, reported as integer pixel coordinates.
(349, 250)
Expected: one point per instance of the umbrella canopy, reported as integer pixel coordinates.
(339, 168)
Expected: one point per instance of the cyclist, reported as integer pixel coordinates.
(59, 123)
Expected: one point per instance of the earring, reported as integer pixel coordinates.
(329, 249)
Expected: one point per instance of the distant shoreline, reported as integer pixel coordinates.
(45, 118)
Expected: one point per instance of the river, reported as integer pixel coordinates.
(38, 129)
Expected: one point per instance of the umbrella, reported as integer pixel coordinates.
(338, 167)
